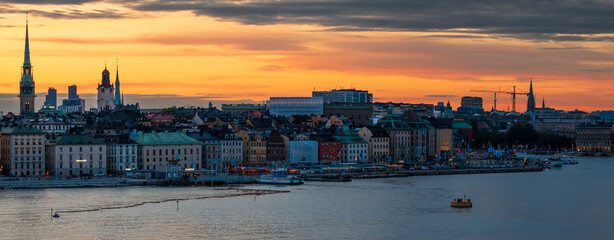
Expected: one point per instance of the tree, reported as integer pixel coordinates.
(170, 110)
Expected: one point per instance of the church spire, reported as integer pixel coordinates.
(26, 54)
(543, 103)
(531, 87)
(26, 85)
(118, 97)
(531, 98)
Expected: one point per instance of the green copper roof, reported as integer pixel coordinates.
(22, 130)
(26, 55)
(349, 137)
(165, 138)
(77, 139)
(461, 125)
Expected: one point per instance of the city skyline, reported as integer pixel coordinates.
(225, 59)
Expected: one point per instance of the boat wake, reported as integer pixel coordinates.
(240, 192)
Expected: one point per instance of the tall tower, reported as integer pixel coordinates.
(106, 96)
(26, 85)
(118, 97)
(531, 99)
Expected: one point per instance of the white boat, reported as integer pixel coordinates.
(280, 176)
(569, 160)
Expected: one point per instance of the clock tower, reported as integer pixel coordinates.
(106, 96)
(26, 85)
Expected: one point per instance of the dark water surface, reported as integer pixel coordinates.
(573, 202)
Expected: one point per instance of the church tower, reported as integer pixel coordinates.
(106, 96)
(531, 99)
(26, 85)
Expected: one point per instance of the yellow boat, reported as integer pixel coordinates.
(461, 203)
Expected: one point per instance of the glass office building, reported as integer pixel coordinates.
(288, 106)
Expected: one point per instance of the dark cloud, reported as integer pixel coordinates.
(549, 20)
(80, 14)
(55, 2)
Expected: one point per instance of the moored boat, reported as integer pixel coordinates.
(280, 176)
(569, 160)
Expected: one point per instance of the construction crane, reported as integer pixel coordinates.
(513, 93)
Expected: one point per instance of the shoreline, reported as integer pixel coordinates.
(127, 182)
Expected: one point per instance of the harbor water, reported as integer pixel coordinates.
(572, 202)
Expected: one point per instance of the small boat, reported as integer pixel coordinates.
(280, 176)
(569, 160)
(56, 215)
(461, 203)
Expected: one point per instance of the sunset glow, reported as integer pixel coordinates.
(189, 57)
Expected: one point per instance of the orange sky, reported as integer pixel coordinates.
(191, 59)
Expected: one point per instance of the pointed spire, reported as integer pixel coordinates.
(531, 86)
(543, 103)
(118, 97)
(26, 55)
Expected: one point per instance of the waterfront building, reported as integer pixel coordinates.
(594, 137)
(232, 150)
(359, 113)
(27, 93)
(418, 135)
(329, 150)
(106, 94)
(257, 149)
(245, 138)
(77, 155)
(289, 106)
(463, 133)
(22, 151)
(121, 152)
(276, 147)
(51, 99)
(211, 149)
(302, 152)
(344, 96)
(162, 151)
(379, 143)
(354, 149)
(443, 137)
(400, 137)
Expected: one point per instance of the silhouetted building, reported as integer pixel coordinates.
(72, 92)
(470, 105)
(344, 96)
(531, 99)
(73, 103)
(360, 113)
(51, 100)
